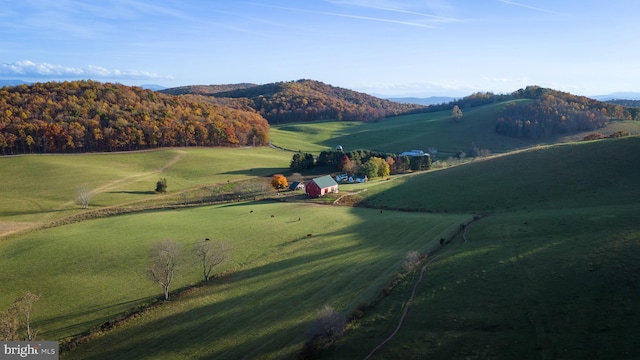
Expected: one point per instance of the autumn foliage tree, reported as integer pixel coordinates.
(83, 116)
(279, 182)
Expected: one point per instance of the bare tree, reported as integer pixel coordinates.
(17, 316)
(456, 113)
(164, 258)
(83, 196)
(211, 254)
(327, 327)
(411, 260)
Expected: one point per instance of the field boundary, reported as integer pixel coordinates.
(464, 228)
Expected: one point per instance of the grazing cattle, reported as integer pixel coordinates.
(251, 212)
(207, 239)
(309, 235)
(273, 215)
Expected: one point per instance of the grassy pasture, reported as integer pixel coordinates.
(419, 131)
(89, 272)
(42, 188)
(552, 273)
(561, 176)
(554, 284)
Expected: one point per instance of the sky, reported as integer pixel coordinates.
(382, 47)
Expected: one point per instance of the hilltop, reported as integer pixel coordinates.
(306, 100)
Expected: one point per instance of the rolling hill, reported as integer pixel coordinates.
(550, 273)
(88, 116)
(307, 100)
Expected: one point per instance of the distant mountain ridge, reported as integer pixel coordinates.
(206, 89)
(432, 100)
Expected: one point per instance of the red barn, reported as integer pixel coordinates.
(320, 186)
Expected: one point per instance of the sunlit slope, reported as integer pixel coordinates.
(419, 131)
(279, 276)
(573, 175)
(37, 188)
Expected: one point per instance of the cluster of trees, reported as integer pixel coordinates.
(598, 136)
(82, 116)
(307, 100)
(167, 256)
(551, 115)
(363, 162)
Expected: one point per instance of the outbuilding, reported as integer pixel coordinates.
(321, 186)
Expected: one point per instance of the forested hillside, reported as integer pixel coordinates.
(550, 112)
(206, 89)
(307, 100)
(82, 116)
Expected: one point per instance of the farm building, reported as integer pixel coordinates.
(296, 185)
(414, 153)
(321, 186)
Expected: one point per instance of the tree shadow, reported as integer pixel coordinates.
(150, 192)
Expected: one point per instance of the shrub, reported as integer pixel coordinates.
(326, 328)
(161, 186)
(593, 136)
(411, 260)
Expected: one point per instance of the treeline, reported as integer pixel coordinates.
(308, 100)
(361, 162)
(88, 116)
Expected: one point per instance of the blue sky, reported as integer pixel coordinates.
(383, 47)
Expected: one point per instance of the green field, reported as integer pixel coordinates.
(87, 273)
(41, 188)
(419, 131)
(550, 284)
(550, 273)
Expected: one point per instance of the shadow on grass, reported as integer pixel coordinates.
(256, 171)
(133, 192)
(93, 322)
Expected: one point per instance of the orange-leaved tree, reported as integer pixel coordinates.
(279, 182)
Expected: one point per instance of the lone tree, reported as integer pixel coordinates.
(83, 196)
(456, 113)
(161, 186)
(279, 182)
(164, 259)
(326, 328)
(211, 254)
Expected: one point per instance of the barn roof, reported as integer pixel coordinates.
(325, 181)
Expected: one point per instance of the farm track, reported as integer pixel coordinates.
(415, 287)
(11, 228)
(532, 306)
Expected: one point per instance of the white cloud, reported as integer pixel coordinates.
(29, 69)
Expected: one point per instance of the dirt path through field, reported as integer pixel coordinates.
(415, 287)
(115, 183)
(8, 227)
